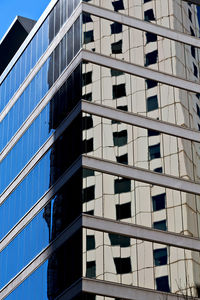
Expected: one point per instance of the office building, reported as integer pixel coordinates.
(99, 150)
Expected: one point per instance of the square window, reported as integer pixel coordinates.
(119, 91)
(151, 83)
(151, 37)
(160, 225)
(118, 5)
(120, 138)
(159, 201)
(149, 15)
(88, 145)
(90, 242)
(119, 240)
(123, 211)
(151, 58)
(122, 185)
(88, 173)
(116, 28)
(87, 78)
(162, 284)
(91, 269)
(160, 257)
(153, 132)
(116, 72)
(154, 151)
(88, 194)
(88, 37)
(123, 159)
(158, 170)
(87, 122)
(122, 265)
(145, 1)
(86, 18)
(87, 97)
(116, 47)
(123, 107)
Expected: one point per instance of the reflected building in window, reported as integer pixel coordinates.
(100, 153)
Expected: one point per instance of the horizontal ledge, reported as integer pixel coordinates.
(141, 232)
(140, 121)
(40, 258)
(140, 71)
(112, 168)
(141, 24)
(122, 291)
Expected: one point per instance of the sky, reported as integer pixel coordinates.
(9, 9)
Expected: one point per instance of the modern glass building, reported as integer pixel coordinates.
(100, 152)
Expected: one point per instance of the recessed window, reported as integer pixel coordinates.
(193, 52)
(87, 18)
(154, 151)
(116, 72)
(149, 15)
(87, 78)
(160, 225)
(151, 58)
(160, 257)
(88, 145)
(198, 110)
(116, 28)
(119, 91)
(158, 170)
(151, 37)
(122, 185)
(90, 242)
(190, 14)
(145, 1)
(195, 71)
(162, 284)
(120, 138)
(199, 127)
(88, 194)
(88, 173)
(192, 31)
(123, 265)
(91, 269)
(89, 212)
(151, 83)
(116, 47)
(123, 159)
(123, 211)
(88, 37)
(119, 240)
(152, 103)
(118, 5)
(159, 201)
(123, 107)
(87, 97)
(87, 122)
(153, 132)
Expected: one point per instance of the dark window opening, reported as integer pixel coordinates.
(160, 225)
(123, 159)
(90, 242)
(198, 110)
(151, 37)
(88, 145)
(88, 37)
(193, 52)
(195, 70)
(152, 132)
(151, 58)
(123, 211)
(160, 257)
(152, 103)
(122, 185)
(87, 97)
(87, 122)
(192, 31)
(123, 107)
(88, 194)
(158, 170)
(91, 269)
(119, 240)
(120, 138)
(116, 47)
(116, 28)
(154, 151)
(199, 127)
(190, 14)
(87, 78)
(159, 201)
(87, 18)
(116, 72)
(89, 212)
(119, 91)
(162, 284)
(149, 15)
(123, 265)
(145, 1)
(118, 5)
(151, 83)
(88, 173)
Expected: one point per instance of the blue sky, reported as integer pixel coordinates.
(9, 9)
